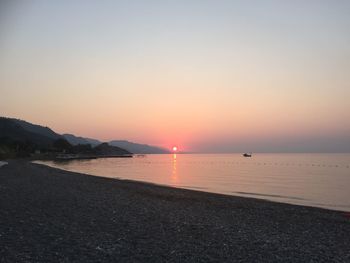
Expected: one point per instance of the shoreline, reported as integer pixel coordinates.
(50, 214)
(266, 197)
(243, 195)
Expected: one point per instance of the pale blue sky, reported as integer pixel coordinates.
(202, 74)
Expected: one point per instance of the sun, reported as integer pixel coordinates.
(174, 148)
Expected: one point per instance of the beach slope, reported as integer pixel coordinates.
(49, 215)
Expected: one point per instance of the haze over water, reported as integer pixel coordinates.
(207, 76)
(320, 180)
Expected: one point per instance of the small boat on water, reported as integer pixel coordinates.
(247, 155)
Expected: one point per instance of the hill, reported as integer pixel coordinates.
(106, 149)
(75, 140)
(20, 139)
(93, 142)
(37, 129)
(13, 130)
(138, 148)
(129, 146)
(19, 136)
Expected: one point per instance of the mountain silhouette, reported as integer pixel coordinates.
(129, 146)
(14, 130)
(138, 148)
(19, 135)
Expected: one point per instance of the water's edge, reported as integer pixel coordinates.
(288, 199)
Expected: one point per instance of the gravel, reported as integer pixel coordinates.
(50, 215)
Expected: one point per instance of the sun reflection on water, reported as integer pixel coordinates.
(174, 178)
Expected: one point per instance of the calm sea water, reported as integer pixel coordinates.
(321, 180)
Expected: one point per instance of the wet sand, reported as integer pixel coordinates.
(49, 215)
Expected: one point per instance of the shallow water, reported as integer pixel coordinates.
(321, 180)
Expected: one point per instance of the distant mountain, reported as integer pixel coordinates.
(34, 128)
(21, 139)
(75, 140)
(13, 130)
(15, 133)
(138, 148)
(93, 142)
(129, 146)
(106, 149)
(103, 149)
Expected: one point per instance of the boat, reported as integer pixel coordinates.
(247, 155)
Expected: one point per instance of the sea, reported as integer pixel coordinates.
(318, 180)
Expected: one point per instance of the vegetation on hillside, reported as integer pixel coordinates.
(22, 139)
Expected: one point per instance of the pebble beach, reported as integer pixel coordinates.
(50, 215)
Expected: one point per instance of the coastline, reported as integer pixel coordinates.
(54, 215)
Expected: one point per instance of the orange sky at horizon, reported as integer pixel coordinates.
(187, 73)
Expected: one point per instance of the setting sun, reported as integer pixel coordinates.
(172, 123)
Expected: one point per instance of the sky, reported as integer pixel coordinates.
(208, 76)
